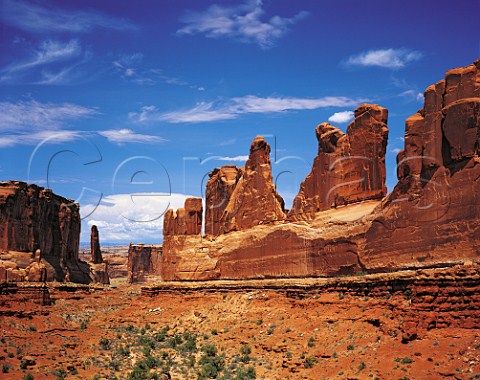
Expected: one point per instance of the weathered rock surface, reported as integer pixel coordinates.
(219, 190)
(142, 261)
(433, 214)
(254, 199)
(98, 268)
(95, 249)
(432, 217)
(186, 220)
(31, 218)
(349, 167)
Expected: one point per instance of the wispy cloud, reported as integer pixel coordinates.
(28, 123)
(386, 58)
(232, 159)
(28, 138)
(31, 115)
(241, 23)
(131, 69)
(341, 117)
(42, 19)
(228, 142)
(235, 107)
(122, 136)
(52, 62)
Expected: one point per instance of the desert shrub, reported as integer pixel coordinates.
(245, 373)
(311, 342)
(28, 376)
(105, 343)
(6, 367)
(210, 363)
(310, 361)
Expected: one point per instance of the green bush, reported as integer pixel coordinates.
(310, 362)
(28, 376)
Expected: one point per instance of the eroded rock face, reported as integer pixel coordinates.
(95, 250)
(432, 215)
(255, 199)
(184, 221)
(32, 217)
(143, 260)
(219, 190)
(349, 167)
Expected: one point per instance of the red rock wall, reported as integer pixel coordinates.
(219, 190)
(254, 200)
(184, 221)
(32, 217)
(432, 215)
(143, 260)
(349, 167)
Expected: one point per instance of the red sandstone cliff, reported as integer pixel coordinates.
(433, 214)
(186, 220)
(432, 217)
(220, 187)
(254, 200)
(349, 167)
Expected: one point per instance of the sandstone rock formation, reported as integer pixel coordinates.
(431, 218)
(432, 215)
(349, 167)
(254, 199)
(186, 220)
(31, 218)
(220, 187)
(98, 268)
(142, 261)
(95, 250)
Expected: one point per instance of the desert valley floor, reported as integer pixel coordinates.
(345, 328)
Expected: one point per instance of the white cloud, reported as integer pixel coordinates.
(37, 18)
(234, 159)
(341, 117)
(395, 150)
(235, 107)
(51, 62)
(25, 138)
(124, 218)
(48, 52)
(241, 23)
(131, 68)
(387, 58)
(121, 136)
(31, 115)
(413, 95)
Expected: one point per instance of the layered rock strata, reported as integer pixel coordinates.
(349, 167)
(142, 261)
(31, 218)
(430, 219)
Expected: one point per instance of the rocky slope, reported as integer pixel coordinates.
(430, 219)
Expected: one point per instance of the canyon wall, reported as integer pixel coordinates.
(341, 222)
(142, 261)
(349, 167)
(34, 218)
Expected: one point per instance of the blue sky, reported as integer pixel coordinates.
(126, 106)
